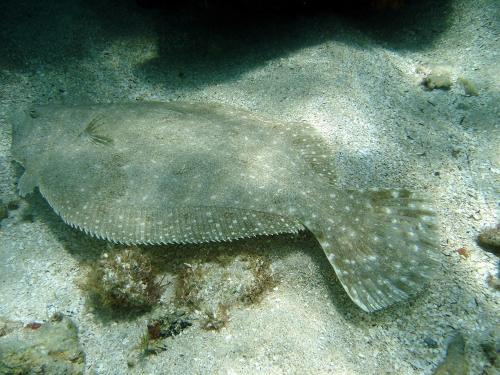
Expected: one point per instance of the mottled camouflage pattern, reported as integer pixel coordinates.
(153, 173)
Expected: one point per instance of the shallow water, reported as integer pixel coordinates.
(270, 304)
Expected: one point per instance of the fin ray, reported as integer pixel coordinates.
(163, 224)
(91, 132)
(382, 244)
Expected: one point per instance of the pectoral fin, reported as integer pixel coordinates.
(27, 183)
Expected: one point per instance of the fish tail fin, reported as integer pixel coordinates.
(381, 243)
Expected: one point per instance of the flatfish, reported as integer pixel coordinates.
(178, 172)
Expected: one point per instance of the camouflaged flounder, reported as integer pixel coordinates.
(157, 173)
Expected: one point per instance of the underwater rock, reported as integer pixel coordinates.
(213, 288)
(42, 348)
(124, 278)
(157, 173)
(455, 362)
(490, 239)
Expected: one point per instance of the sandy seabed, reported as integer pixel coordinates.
(359, 82)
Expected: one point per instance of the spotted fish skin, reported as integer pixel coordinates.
(157, 173)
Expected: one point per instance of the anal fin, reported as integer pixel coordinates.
(165, 224)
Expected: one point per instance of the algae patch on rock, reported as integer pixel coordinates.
(123, 278)
(41, 348)
(437, 77)
(213, 288)
(469, 87)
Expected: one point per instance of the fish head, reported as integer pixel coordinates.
(37, 133)
(31, 136)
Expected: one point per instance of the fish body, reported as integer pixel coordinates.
(159, 173)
